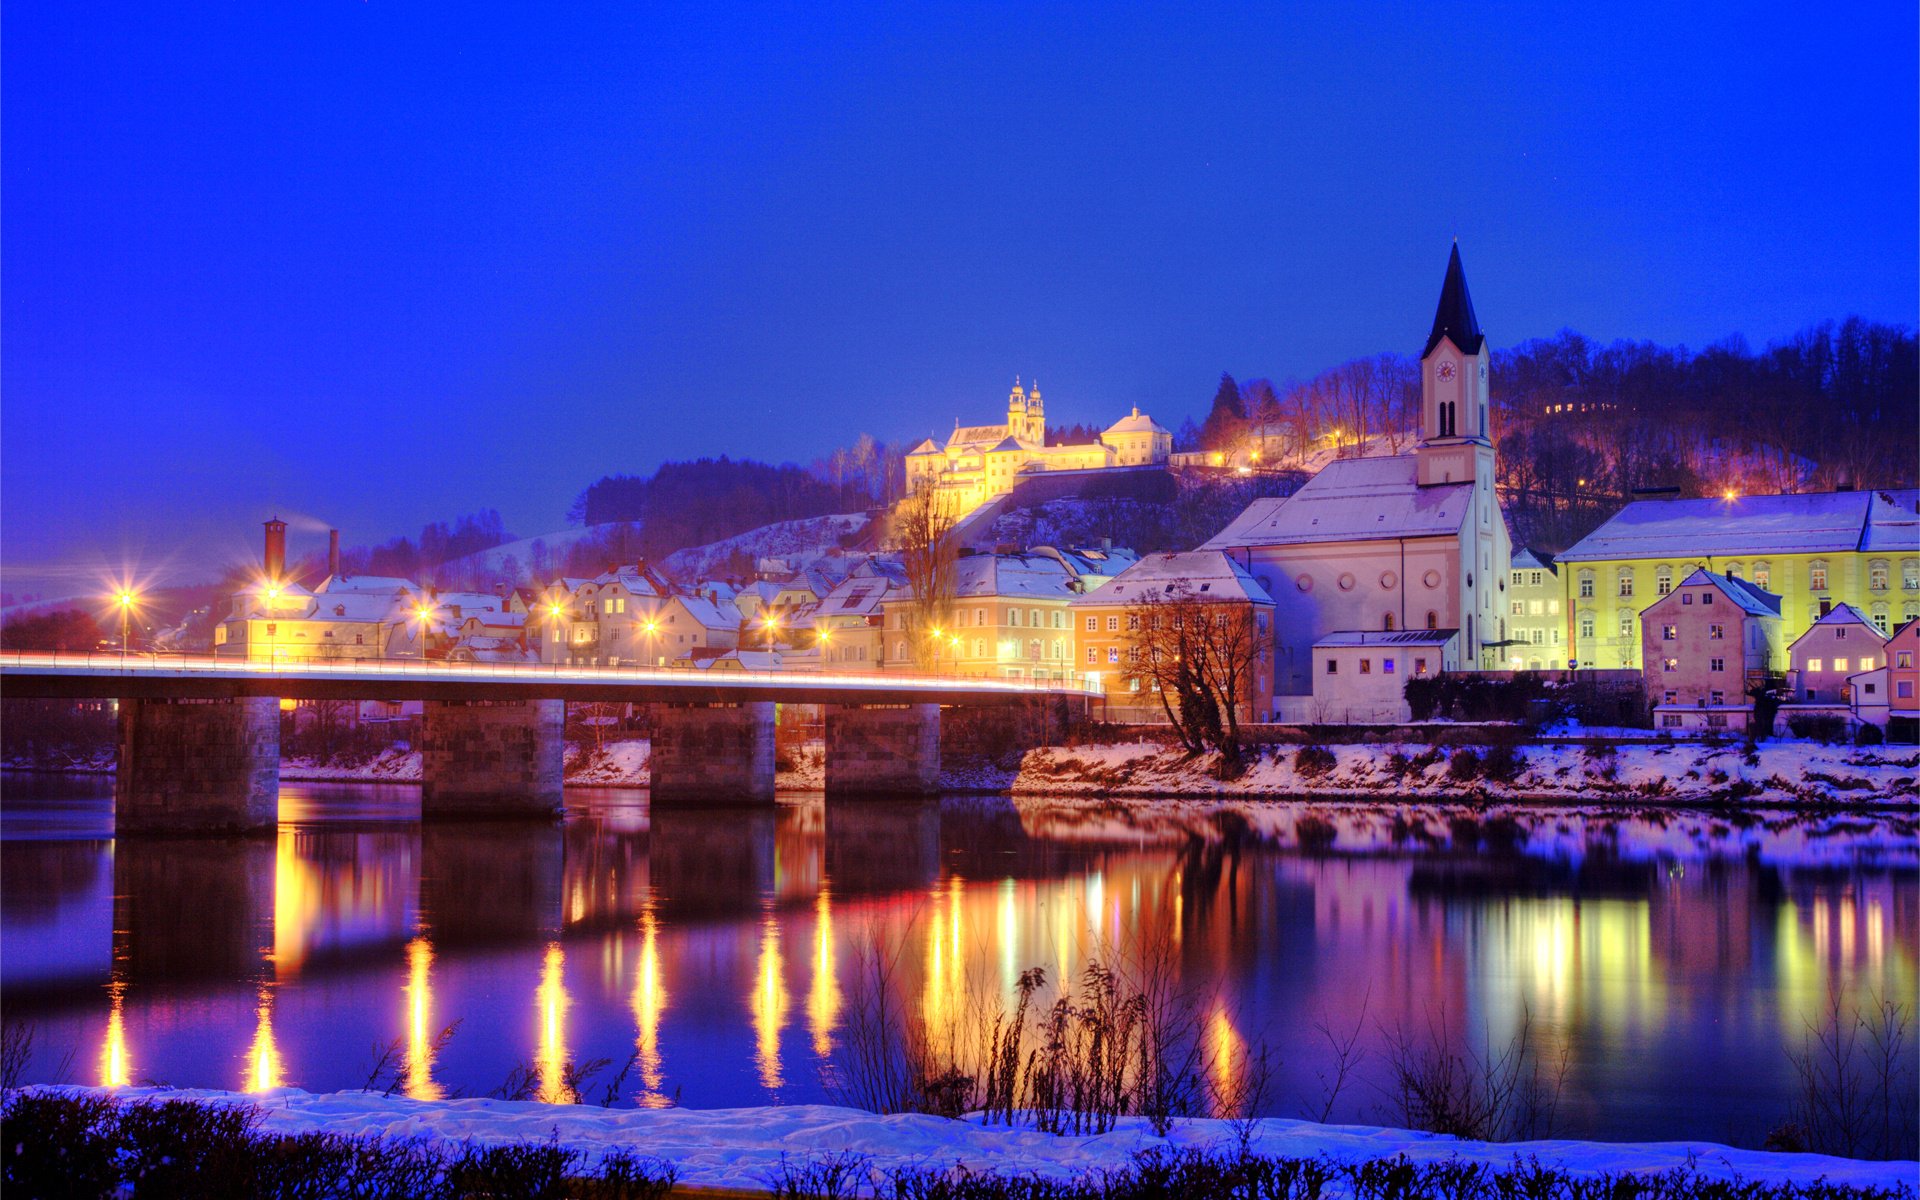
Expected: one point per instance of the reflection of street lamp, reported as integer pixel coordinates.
(125, 600)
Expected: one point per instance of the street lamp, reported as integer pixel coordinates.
(273, 600)
(424, 614)
(652, 628)
(125, 600)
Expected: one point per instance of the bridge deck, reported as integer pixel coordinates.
(185, 677)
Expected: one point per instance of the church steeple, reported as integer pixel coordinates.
(1454, 318)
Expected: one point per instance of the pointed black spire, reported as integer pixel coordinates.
(1454, 319)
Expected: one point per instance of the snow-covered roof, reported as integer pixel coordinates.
(1805, 523)
(1386, 637)
(498, 620)
(470, 602)
(1352, 499)
(365, 583)
(1138, 422)
(925, 447)
(1749, 597)
(711, 614)
(1198, 574)
(357, 606)
(964, 435)
(1841, 615)
(857, 595)
(1525, 559)
(1005, 445)
(1030, 575)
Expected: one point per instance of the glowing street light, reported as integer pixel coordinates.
(1729, 495)
(124, 599)
(424, 614)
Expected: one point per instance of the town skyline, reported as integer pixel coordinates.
(1148, 212)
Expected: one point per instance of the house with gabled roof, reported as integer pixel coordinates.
(1839, 645)
(1706, 643)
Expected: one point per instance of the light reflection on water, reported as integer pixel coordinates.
(1667, 959)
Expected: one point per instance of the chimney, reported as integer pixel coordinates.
(276, 554)
(333, 553)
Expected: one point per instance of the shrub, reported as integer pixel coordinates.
(1503, 763)
(1825, 728)
(1314, 761)
(1868, 735)
(1464, 765)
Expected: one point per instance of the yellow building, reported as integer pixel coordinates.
(1009, 620)
(980, 462)
(1815, 551)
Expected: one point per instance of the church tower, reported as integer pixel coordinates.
(1036, 417)
(1456, 441)
(1017, 411)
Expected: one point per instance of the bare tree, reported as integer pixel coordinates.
(1201, 657)
(923, 526)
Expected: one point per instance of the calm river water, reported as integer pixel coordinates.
(1669, 958)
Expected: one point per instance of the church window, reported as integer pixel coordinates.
(1389, 623)
(1817, 576)
(1433, 619)
(1586, 585)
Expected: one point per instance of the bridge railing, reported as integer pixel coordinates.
(150, 662)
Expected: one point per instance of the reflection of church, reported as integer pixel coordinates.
(979, 462)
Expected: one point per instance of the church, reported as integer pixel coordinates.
(981, 462)
(1391, 543)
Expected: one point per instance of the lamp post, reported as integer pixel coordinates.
(125, 601)
(424, 614)
(556, 634)
(273, 601)
(652, 628)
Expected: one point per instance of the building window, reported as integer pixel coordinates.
(1880, 618)
(1668, 697)
(1706, 597)
(1762, 575)
(1093, 623)
(979, 647)
(1814, 664)
(1662, 582)
(1903, 659)
(1716, 633)
(1388, 624)
(1910, 575)
(1133, 622)
(1671, 664)
(1626, 624)
(1732, 571)
(1386, 666)
(1093, 654)
(1669, 632)
(1333, 665)
(1877, 576)
(1113, 624)
(1419, 666)
(1840, 664)
(1716, 697)
(1518, 607)
(1516, 577)
(1716, 720)
(1586, 585)
(1716, 664)
(1013, 617)
(1539, 637)
(1904, 689)
(1433, 619)
(1626, 583)
(1586, 625)
(1534, 578)
(1817, 576)
(1670, 720)
(1113, 654)
(1366, 666)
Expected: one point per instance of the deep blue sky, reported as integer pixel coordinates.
(373, 263)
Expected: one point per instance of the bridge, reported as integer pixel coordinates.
(199, 744)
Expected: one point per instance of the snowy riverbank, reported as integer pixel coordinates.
(743, 1147)
(1779, 772)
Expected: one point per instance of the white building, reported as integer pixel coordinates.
(1407, 541)
(1360, 675)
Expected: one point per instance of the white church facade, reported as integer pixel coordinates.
(1401, 542)
(980, 462)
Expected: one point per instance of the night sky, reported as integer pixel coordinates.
(369, 264)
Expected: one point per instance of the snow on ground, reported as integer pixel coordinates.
(800, 541)
(395, 764)
(523, 552)
(1663, 772)
(742, 1147)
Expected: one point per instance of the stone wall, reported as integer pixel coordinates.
(713, 753)
(883, 750)
(198, 766)
(492, 758)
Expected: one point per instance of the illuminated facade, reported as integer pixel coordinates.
(1536, 618)
(980, 462)
(1707, 641)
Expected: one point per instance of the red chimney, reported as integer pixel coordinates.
(276, 549)
(333, 553)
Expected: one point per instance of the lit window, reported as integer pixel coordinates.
(1716, 633)
(1671, 664)
(1840, 664)
(1817, 577)
(1366, 666)
(1669, 632)
(1386, 666)
(1877, 577)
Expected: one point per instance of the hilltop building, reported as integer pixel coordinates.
(1405, 541)
(980, 462)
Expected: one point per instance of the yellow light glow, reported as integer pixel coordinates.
(823, 997)
(115, 1070)
(649, 1001)
(1227, 1051)
(423, 612)
(264, 1068)
(554, 610)
(1730, 494)
(124, 599)
(299, 895)
(550, 1059)
(769, 1004)
(419, 1084)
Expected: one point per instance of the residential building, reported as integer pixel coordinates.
(849, 621)
(980, 462)
(1815, 551)
(1008, 620)
(1834, 648)
(1903, 683)
(1106, 626)
(1706, 642)
(1536, 624)
(1360, 675)
(609, 620)
(1406, 541)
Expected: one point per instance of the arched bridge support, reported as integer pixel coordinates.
(883, 750)
(492, 758)
(712, 753)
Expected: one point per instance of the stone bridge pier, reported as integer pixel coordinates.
(492, 758)
(198, 766)
(883, 750)
(712, 753)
